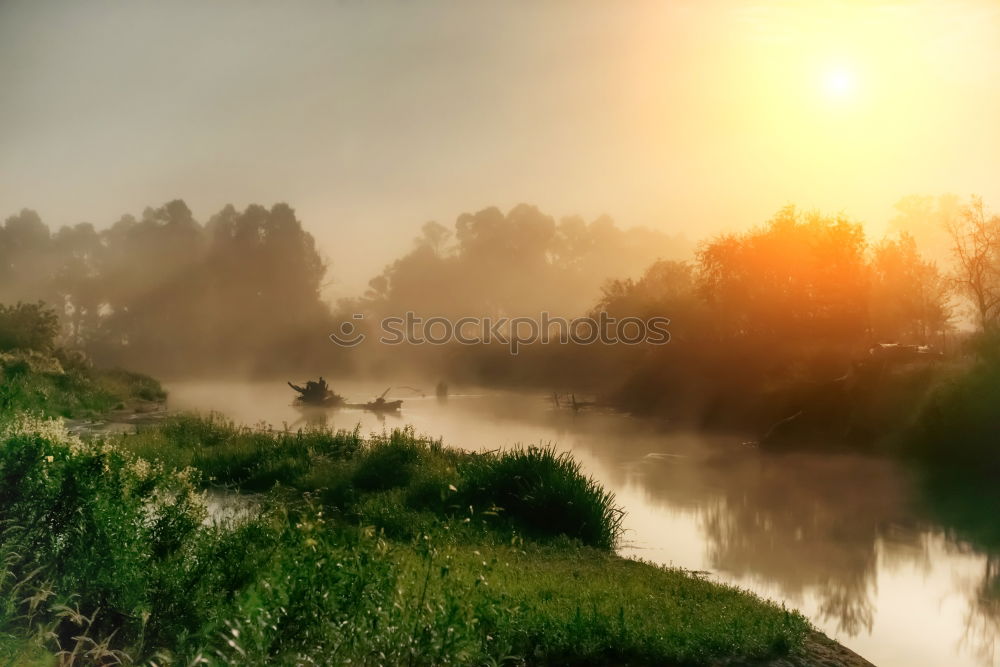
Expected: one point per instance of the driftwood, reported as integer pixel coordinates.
(317, 393)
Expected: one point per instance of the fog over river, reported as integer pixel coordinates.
(855, 543)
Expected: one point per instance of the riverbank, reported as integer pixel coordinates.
(434, 556)
(65, 384)
(379, 550)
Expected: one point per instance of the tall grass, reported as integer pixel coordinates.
(389, 479)
(65, 386)
(544, 492)
(106, 557)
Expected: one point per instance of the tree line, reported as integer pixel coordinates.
(242, 292)
(167, 293)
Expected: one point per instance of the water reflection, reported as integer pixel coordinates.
(806, 524)
(967, 510)
(905, 570)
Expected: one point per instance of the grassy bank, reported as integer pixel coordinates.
(958, 424)
(401, 483)
(67, 385)
(385, 550)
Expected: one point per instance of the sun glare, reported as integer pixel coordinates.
(839, 83)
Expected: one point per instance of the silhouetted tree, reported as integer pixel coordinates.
(164, 292)
(800, 277)
(909, 296)
(975, 235)
(519, 263)
(28, 326)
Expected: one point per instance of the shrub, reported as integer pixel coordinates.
(958, 424)
(28, 326)
(106, 557)
(387, 464)
(532, 489)
(543, 491)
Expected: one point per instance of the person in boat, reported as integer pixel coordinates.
(382, 405)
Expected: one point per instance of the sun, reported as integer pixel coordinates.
(839, 82)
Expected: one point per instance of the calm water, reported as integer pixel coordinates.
(857, 544)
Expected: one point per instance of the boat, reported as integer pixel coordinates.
(382, 405)
(379, 405)
(317, 394)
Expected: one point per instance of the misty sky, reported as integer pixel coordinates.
(373, 117)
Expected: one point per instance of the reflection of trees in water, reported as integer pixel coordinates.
(967, 507)
(982, 617)
(810, 524)
(806, 523)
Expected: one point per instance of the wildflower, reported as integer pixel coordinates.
(141, 468)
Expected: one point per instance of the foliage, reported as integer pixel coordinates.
(665, 287)
(926, 220)
(107, 558)
(975, 235)
(31, 382)
(532, 490)
(495, 262)
(909, 296)
(545, 492)
(167, 291)
(798, 277)
(958, 424)
(28, 326)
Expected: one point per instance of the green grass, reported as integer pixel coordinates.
(389, 550)
(392, 480)
(567, 604)
(65, 386)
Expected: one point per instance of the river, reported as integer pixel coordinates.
(857, 544)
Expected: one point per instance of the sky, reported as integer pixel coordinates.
(370, 118)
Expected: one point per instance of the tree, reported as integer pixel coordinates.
(28, 326)
(800, 277)
(666, 289)
(166, 292)
(975, 236)
(26, 268)
(926, 219)
(909, 296)
(515, 263)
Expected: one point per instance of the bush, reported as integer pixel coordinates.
(91, 520)
(959, 423)
(36, 382)
(534, 490)
(106, 558)
(544, 492)
(28, 326)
